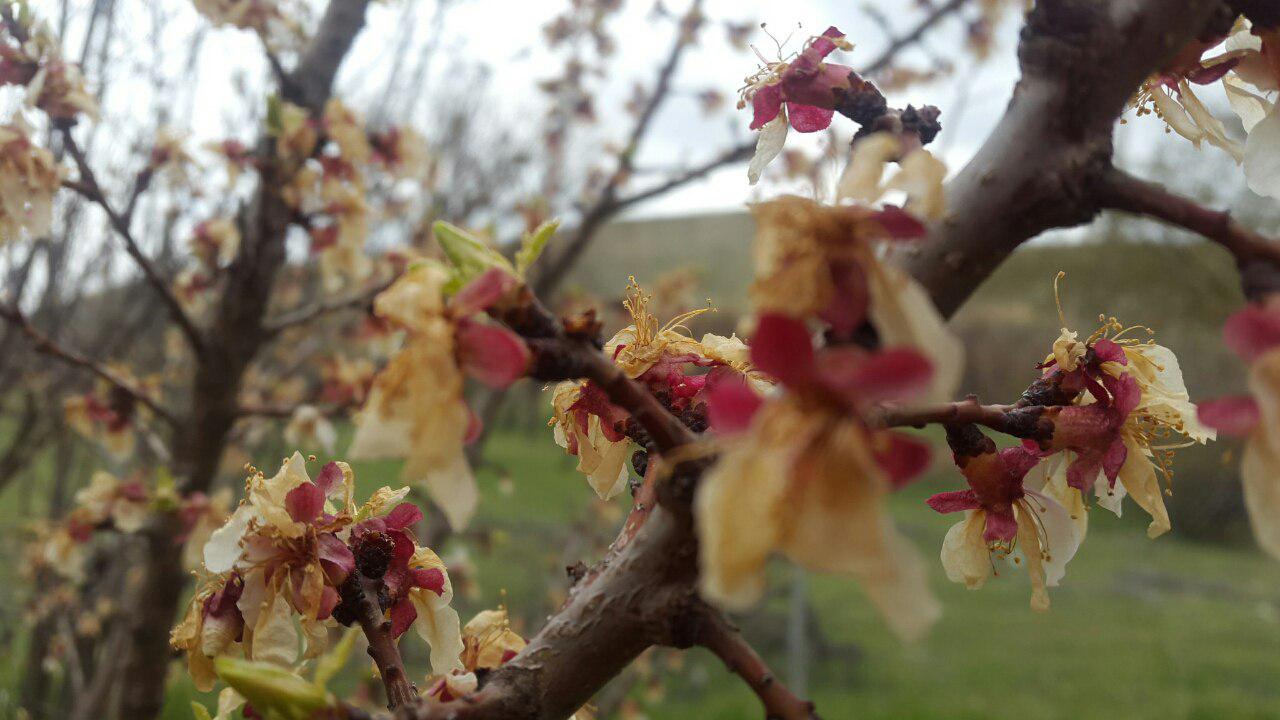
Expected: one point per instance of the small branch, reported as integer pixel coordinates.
(1022, 422)
(735, 154)
(382, 647)
(284, 411)
(304, 315)
(46, 346)
(88, 187)
(723, 639)
(1118, 190)
(913, 36)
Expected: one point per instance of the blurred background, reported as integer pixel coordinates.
(573, 109)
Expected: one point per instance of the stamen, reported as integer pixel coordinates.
(1057, 297)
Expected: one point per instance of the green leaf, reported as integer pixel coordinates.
(275, 121)
(199, 711)
(331, 662)
(272, 689)
(468, 254)
(532, 245)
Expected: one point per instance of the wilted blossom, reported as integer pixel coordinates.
(801, 92)
(52, 84)
(401, 150)
(122, 504)
(201, 515)
(416, 409)
(108, 416)
(1002, 515)
(276, 21)
(215, 242)
(487, 642)
(587, 425)
(29, 178)
(802, 474)
(286, 554)
(308, 427)
(1254, 334)
(1129, 404)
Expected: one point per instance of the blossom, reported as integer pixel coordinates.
(29, 177)
(825, 261)
(587, 425)
(287, 551)
(1253, 333)
(201, 515)
(488, 641)
(1001, 514)
(1128, 398)
(801, 92)
(106, 499)
(52, 84)
(215, 242)
(402, 151)
(806, 476)
(416, 408)
(346, 129)
(109, 415)
(309, 427)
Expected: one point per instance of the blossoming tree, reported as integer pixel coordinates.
(734, 450)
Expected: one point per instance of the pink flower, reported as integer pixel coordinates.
(809, 87)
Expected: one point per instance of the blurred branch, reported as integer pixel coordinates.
(45, 345)
(88, 187)
(301, 316)
(722, 638)
(1018, 421)
(913, 36)
(286, 411)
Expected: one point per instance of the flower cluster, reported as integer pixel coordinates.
(1254, 335)
(1248, 72)
(29, 177)
(109, 416)
(661, 358)
(1119, 409)
(276, 21)
(301, 550)
(30, 57)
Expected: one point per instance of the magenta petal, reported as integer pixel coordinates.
(482, 292)
(493, 355)
(1125, 394)
(894, 374)
(402, 616)
(1018, 461)
(731, 404)
(336, 559)
(304, 502)
(1082, 473)
(328, 601)
(404, 515)
(1252, 331)
(1108, 351)
(949, 502)
(1114, 460)
(1001, 526)
(781, 347)
(428, 579)
(475, 426)
(898, 224)
(808, 118)
(1236, 415)
(765, 105)
(1213, 73)
(329, 479)
(848, 308)
(904, 458)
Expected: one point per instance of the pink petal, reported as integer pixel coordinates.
(336, 559)
(475, 427)
(782, 348)
(1001, 526)
(402, 616)
(329, 479)
(848, 309)
(482, 292)
(328, 601)
(894, 374)
(1213, 73)
(731, 404)
(493, 355)
(1252, 331)
(404, 515)
(1125, 394)
(1082, 473)
(949, 502)
(1114, 460)
(428, 579)
(903, 459)
(1237, 415)
(808, 118)
(765, 105)
(1108, 351)
(304, 502)
(1018, 461)
(899, 224)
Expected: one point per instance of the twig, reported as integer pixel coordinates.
(45, 345)
(284, 411)
(1023, 422)
(305, 315)
(723, 639)
(88, 186)
(896, 45)
(382, 646)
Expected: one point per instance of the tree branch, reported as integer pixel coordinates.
(304, 315)
(382, 646)
(722, 638)
(1022, 422)
(46, 346)
(913, 36)
(1257, 255)
(88, 186)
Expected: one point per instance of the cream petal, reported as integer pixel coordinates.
(453, 488)
(904, 316)
(965, 556)
(861, 179)
(1061, 537)
(223, 548)
(1250, 107)
(1262, 157)
(1029, 540)
(773, 136)
(274, 638)
(1260, 470)
(1138, 475)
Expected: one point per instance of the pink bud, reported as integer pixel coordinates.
(482, 292)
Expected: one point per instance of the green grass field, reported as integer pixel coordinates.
(1140, 629)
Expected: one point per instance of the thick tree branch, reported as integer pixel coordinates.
(46, 346)
(92, 191)
(382, 646)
